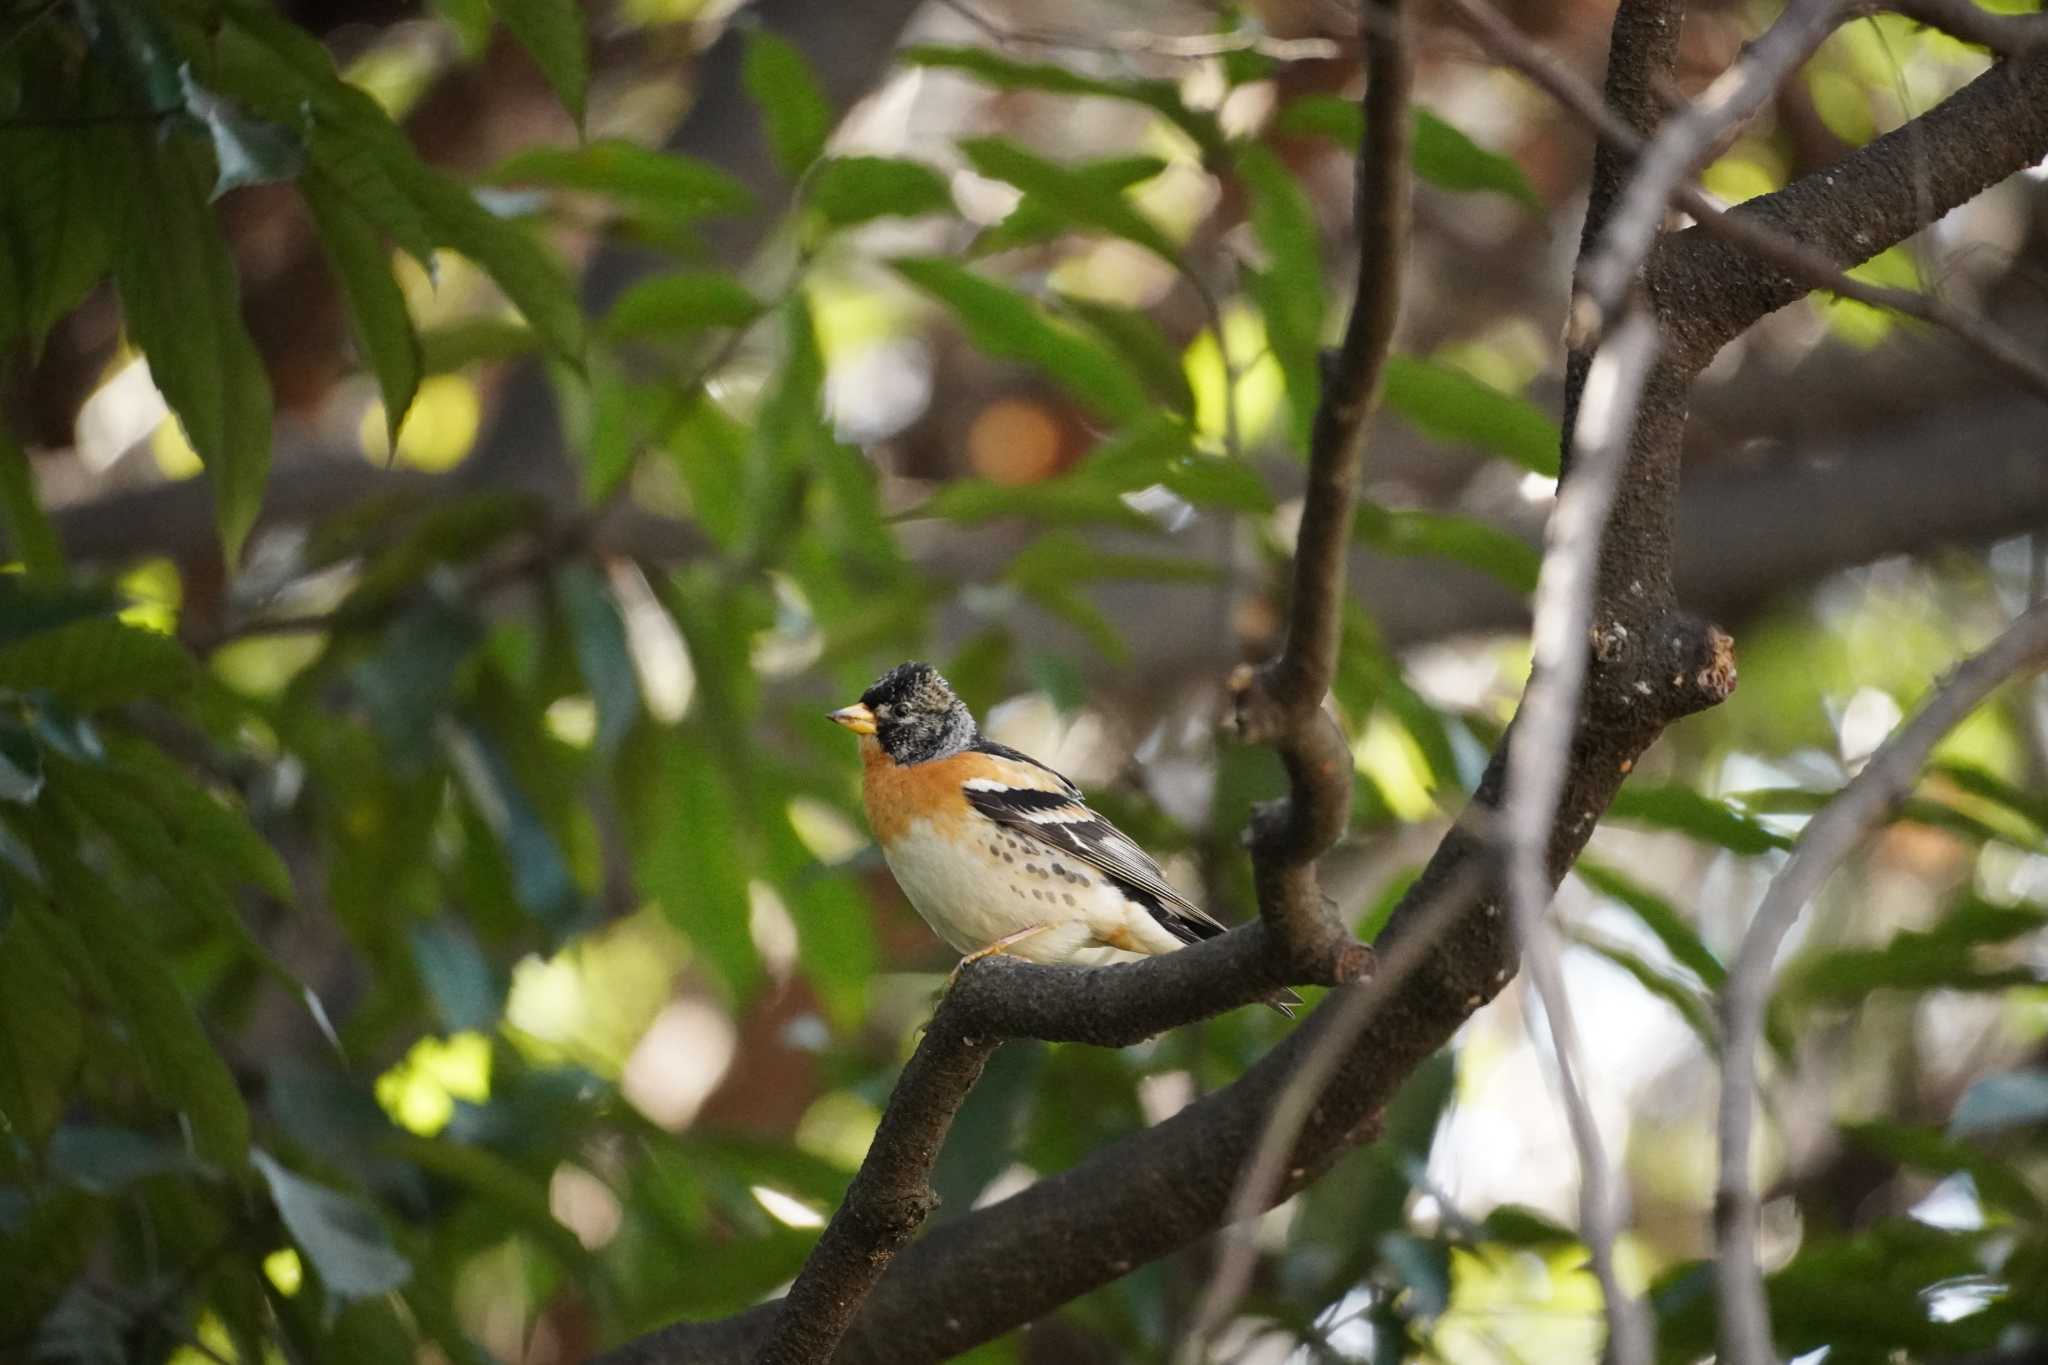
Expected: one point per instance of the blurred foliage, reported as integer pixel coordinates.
(370, 967)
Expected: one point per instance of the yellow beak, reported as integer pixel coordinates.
(856, 718)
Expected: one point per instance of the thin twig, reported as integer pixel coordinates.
(1674, 155)
(1828, 838)
(2009, 35)
(1540, 755)
(1797, 260)
(1340, 1028)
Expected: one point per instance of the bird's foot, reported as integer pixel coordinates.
(1001, 945)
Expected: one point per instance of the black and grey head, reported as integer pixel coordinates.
(915, 715)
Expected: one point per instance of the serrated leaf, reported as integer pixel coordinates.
(90, 665)
(1441, 535)
(339, 1234)
(798, 116)
(682, 304)
(376, 305)
(1078, 200)
(1006, 325)
(849, 190)
(182, 306)
(1450, 405)
(552, 31)
(669, 186)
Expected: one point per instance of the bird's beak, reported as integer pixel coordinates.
(856, 718)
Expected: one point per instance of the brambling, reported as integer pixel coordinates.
(999, 853)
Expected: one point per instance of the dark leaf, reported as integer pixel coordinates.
(1659, 917)
(466, 990)
(1079, 200)
(598, 633)
(95, 664)
(670, 187)
(1945, 956)
(1926, 1148)
(376, 305)
(541, 882)
(1033, 222)
(1688, 812)
(102, 1160)
(341, 1237)
(246, 150)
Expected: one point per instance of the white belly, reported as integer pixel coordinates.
(971, 897)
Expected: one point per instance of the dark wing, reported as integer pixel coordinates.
(1063, 823)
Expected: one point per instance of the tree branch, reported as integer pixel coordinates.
(1282, 703)
(1827, 839)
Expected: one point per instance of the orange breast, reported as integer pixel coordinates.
(896, 795)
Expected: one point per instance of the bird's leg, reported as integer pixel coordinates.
(1003, 944)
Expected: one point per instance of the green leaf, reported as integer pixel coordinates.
(340, 1235)
(1688, 1000)
(668, 186)
(798, 115)
(103, 1160)
(1450, 405)
(1033, 222)
(849, 190)
(182, 307)
(1944, 956)
(552, 30)
(598, 633)
(1079, 200)
(1658, 916)
(1004, 73)
(29, 535)
(1927, 1149)
(1688, 812)
(467, 994)
(541, 882)
(527, 272)
(376, 305)
(21, 765)
(1447, 158)
(42, 1031)
(246, 150)
(2009, 1099)
(1443, 156)
(1008, 326)
(1289, 287)
(94, 664)
(1143, 346)
(1055, 502)
(443, 349)
(690, 859)
(682, 304)
(1412, 531)
(133, 980)
(54, 206)
(29, 607)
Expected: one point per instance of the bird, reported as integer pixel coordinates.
(1000, 853)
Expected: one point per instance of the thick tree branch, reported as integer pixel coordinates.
(1828, 838)
(2009, 35)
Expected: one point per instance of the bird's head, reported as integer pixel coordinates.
(913, 714)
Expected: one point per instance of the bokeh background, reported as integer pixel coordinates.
(506, 969)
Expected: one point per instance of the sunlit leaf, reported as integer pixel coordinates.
(1289, 286)
(1686, 811)
(1077, 199)
(682, 304)
(1033, 222)
(667, 185)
